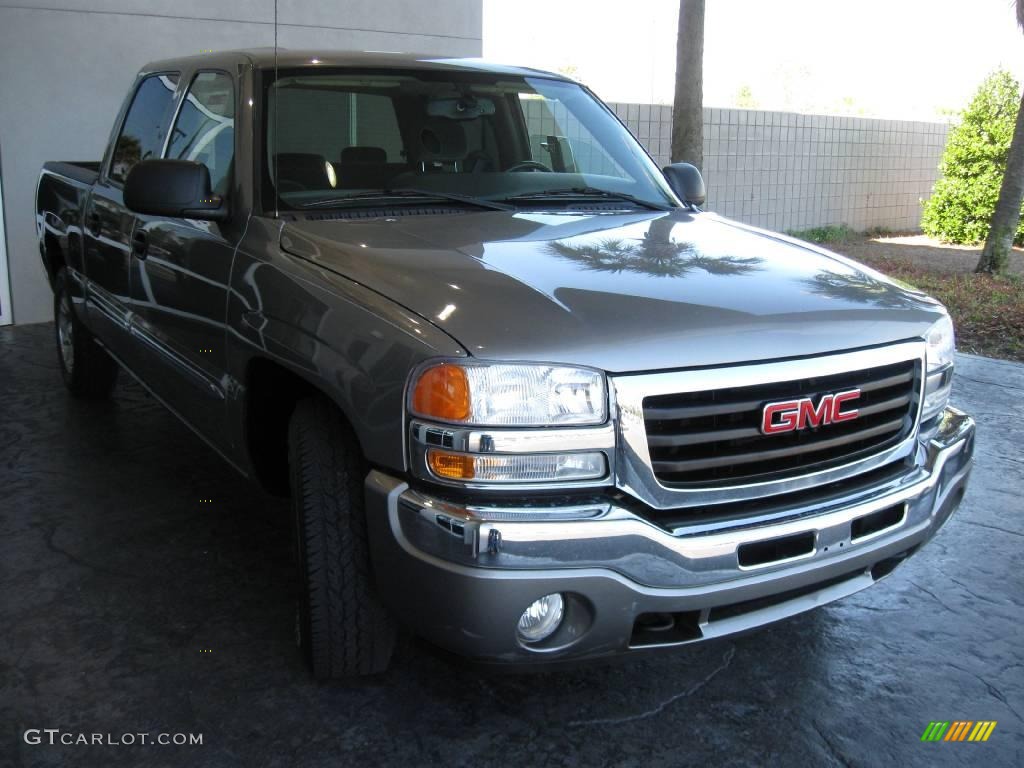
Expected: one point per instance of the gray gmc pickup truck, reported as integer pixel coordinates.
(528, 399)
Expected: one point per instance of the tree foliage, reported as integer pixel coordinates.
(971, 172)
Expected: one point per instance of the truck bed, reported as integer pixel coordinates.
(61, 197)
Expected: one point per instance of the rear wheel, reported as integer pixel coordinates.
(343, 628)
(88, 371)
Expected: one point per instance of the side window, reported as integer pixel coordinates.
(559, 140)
(205, 128)
(142, 134)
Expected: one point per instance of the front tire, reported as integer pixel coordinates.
(88, 371)
(344, 630)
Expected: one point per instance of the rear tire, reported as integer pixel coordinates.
(344, 630)
(88, 371)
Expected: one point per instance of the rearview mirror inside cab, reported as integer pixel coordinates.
(465, 107)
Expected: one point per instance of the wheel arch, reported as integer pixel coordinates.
(54, 257)
(272, 392)
(301, 330)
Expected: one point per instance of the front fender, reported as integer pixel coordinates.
(350, 343)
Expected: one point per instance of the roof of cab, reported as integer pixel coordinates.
(264, 58)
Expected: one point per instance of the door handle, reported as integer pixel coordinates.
(95, 223)
(140, 246)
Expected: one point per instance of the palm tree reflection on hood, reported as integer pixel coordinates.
(657, 255)
(861, 288)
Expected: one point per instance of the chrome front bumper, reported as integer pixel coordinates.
(461, 575)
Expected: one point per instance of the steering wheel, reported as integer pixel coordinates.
(478, 162)
(529, 165)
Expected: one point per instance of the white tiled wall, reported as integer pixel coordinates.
(782, 170)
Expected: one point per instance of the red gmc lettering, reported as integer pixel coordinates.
(791, 415)
(787, 412)
(837, 404)
(814, 417)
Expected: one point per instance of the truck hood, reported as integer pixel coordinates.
(616, 291)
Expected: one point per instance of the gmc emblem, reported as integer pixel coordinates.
(791, 415)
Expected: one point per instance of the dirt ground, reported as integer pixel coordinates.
(922, 251)
(987, 310)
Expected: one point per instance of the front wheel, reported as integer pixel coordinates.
(344, 630)
(88, 371)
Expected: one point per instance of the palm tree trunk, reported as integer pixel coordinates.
(995, 257)
(688, 110)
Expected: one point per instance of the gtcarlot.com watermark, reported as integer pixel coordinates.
(56, 736)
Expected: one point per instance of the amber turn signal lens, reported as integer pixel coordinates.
(451, 466)
(443, 393)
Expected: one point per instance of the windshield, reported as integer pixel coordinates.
(350, 139)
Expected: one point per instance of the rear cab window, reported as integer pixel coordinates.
(330, 135)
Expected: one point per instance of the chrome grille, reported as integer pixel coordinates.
(710, 438)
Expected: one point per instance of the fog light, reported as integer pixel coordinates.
(541, 619)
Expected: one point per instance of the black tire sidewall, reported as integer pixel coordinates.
(94, 372)
(302, 565)
(353, 635)
(60, 290)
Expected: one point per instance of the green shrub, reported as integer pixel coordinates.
(971, 172)
(831, 233)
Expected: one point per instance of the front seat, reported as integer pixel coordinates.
(364, 156)
(363, 168)
(300, 171)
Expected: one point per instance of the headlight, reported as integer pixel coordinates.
(510, 395)
(941, 344)
(939, 376)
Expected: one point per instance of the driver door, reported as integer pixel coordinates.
(181, 269)
(108, 221)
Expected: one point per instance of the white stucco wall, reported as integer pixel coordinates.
(65, 66)
(783, 170)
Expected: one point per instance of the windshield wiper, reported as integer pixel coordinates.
(585, 192)
(408, 192)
